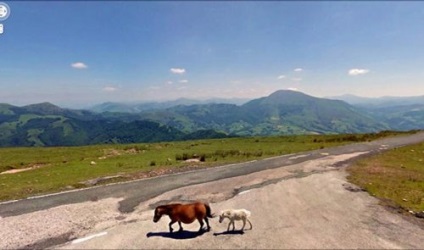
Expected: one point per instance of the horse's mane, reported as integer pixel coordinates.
(168, 207)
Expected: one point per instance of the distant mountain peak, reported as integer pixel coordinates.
(287, 92)
(284, 97)
(45, 108)
(42, 105)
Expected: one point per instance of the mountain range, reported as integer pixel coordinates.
(282, 112)
(398, 113)
(144, 106)
(380, 102)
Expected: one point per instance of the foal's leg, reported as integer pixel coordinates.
(231, 222)
(244, 224)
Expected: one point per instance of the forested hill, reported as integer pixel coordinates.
(281, 113)
(48, 125)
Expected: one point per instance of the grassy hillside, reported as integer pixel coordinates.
(397, 177)
(52, 169)
(404, 117)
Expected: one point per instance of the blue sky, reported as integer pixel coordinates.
(76, 54)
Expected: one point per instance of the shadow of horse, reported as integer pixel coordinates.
(179, 235)
(239, 232)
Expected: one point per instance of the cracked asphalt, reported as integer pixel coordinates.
(297, 201)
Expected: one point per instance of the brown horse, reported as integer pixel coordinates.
(186, 213)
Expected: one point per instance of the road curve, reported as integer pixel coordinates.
(135, 192)
(118, 206)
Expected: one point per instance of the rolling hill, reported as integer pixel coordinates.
(146, 106)
(45, 124)
(283, 112)
(399, 113)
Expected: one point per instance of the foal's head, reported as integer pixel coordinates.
(159, 211)
(223, 215)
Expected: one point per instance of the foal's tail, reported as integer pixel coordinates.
(209, 211)
(251, 227)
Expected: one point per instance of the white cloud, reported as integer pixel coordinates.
(170, 82)
(297, 79)
(298, 70)
(109, 89)
(79, 65)
(355, 72)
(293, 89)
(177, 71)
(183, 81)
(281, 77)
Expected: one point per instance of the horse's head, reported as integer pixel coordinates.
(158, 214)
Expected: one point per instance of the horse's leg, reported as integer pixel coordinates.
(234, 225)
(228, 228)
(207, 224)
(170, 225)
(201, 224)
(181, 228)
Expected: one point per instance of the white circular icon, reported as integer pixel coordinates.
(4, 11)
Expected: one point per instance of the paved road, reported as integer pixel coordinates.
(291, 198)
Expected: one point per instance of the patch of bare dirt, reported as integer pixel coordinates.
(18, 170)
(108, 153)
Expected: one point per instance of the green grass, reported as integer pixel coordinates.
(396, 176)
(63, 168)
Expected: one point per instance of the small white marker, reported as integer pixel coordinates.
(88, 237)
(244, 192)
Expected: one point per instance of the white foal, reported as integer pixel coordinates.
(235, 214)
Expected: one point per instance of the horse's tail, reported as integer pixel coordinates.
(209, 211)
